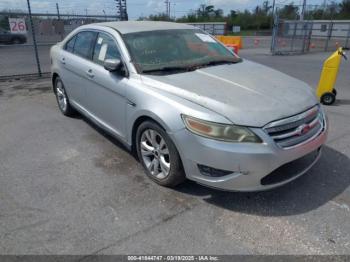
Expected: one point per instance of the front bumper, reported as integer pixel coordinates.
(249, 163)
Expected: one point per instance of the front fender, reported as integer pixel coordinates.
(163, 107)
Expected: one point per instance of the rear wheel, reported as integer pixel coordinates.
(328, 98)
(158, 155)
(62, 98)
(334, 91)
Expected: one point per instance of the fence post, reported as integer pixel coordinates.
(274, 34)
(34, 40)
(294, 33)
(309, 36)
(347, 38)
(329, 35)
(59, 18)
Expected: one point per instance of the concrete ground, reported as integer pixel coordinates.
(68, 188)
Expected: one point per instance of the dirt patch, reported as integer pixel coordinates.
(25, 87)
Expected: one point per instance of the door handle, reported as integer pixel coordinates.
(89, 73)
(63, 61)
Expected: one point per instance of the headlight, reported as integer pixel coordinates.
(230, 133)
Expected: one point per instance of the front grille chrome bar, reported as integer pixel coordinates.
(297, 130)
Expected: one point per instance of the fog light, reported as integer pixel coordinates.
(212, 172)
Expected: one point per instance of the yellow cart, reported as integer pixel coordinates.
(325, 90)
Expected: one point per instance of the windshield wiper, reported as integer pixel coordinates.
(169, 69)
(218, 62)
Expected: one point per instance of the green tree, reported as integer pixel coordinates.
(344, 12)
(289, 11)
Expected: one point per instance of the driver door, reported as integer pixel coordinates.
(105, 92)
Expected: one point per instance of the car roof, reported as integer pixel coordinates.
(125, 27)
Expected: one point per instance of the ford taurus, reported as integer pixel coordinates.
(188, 106)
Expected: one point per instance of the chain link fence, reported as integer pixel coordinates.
(297, 37)
(293, 34)
(18, 39)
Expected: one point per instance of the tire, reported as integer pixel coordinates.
(328, 98)
(334, 91)
(16, 41)
(62, 98)
(152, 145)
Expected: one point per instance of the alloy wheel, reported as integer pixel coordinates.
(155, 153)
(61, 96)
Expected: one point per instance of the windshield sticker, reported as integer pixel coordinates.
(205, 38)
(103, 51)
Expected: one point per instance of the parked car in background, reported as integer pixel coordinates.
(6, 37)
(188, 106)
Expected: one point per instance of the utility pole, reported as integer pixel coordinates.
(34, 40)
(273, 13)
(167, 8)
(122, 14)
(303, 11)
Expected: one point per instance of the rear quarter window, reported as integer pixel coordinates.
(70, 44)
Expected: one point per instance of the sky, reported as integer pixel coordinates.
(137, 8)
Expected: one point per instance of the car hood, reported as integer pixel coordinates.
(246, 93)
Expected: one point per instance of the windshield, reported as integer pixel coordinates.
(175, 50)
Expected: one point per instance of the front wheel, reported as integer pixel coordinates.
(158, 155)
(328, 98)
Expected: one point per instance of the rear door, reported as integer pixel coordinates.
(75, 59)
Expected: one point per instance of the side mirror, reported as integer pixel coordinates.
(112, 64)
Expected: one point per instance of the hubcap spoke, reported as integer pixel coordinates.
(146, 150)
(155, 167)
(164, 165)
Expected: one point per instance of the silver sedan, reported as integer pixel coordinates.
(188, 106)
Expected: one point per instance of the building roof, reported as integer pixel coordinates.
(125, 27)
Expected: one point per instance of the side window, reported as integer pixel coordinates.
(70, 44)
(84, 43)
(105, 48)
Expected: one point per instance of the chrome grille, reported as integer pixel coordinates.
(297, 130)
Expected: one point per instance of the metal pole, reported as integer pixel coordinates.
(104, 12)
(274, 34)
(303, 11)
(34, 39)
(294, 33)
(169, 9)
(59, 18)
(273, 13)
(347, 38)
(329, 35)
(58, 11)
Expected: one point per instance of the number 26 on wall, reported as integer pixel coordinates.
(17, 25)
